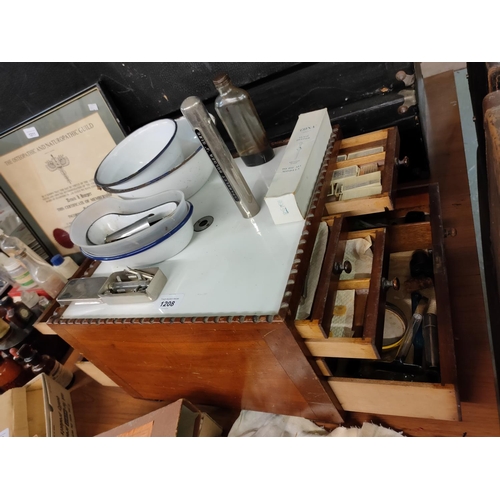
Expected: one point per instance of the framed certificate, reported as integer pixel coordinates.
(47, 165)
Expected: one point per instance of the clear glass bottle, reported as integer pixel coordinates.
(241, 120)
(44, 274)
(19, 274)
(12, 246)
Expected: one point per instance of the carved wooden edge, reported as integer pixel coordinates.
(297, 276)
(290, 295)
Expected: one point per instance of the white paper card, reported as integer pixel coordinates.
(93, 107)
(31, 132)
(170, 302)
(5, 433)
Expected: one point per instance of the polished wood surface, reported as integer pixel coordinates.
(100, 408)
(229, 365)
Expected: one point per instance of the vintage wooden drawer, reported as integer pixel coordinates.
(345, 360)
(368, 297)
(376, 152)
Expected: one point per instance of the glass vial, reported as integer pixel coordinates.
(239, 116)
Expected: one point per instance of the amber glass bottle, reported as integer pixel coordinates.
(239, 116)
(16, 312)
(41, 363)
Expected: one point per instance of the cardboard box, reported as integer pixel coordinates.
(179, 419)
(289, 194)
(41, 408)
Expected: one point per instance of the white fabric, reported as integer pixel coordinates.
(259, 424)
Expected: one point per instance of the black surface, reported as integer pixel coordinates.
(146, 91)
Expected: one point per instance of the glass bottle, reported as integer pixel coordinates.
(239, 116)
(41, 363)
(12, 246)
(17, 272)
(17, 313)
(47, 278)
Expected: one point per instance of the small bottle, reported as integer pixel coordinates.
(29, 298)
(65, 266)
(17, 313)
(13, 246)
(18, 273)
(44, 274)
(12, 374)
(41, 363)
(241, 120)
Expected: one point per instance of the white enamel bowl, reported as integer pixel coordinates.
(146, 153)
(96, 221)
(163, 248)
(188, 173)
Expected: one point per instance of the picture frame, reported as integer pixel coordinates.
(48, 163)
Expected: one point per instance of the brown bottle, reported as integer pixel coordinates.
(16, 313)
(12, 375)
(41, 363)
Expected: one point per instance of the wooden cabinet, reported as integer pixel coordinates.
(271, 362)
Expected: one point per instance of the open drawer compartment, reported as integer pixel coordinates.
(352, 300)
(410, 390)
(375, 153)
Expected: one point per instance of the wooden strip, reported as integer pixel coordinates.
(342, 348)
(375, 305)
(414, 399)
(406, 237)
(93, 372)
(378, 157)
(326, 279)
(364, 138)
(323, 367)
(390, 174)
(362, 147)
(359, 206)
(309, 329)
(372, 233)
(448, 364)
(355, 284)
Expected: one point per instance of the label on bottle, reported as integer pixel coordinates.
(5, 433)
(61, 375)
(23, 278)
(217, 166)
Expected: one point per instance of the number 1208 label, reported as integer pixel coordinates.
(169, 302)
